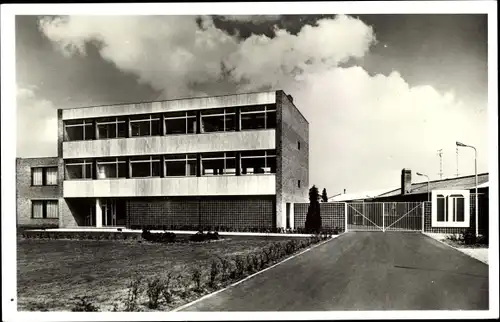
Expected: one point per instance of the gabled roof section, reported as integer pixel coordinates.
(460, 183)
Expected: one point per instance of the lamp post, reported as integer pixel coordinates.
(428, 184)
(476, 199)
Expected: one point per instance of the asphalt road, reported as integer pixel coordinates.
(363, 271)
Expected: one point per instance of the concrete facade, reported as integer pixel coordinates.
(85, 200)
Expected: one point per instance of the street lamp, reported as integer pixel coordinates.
(476, 199)
(428, 190)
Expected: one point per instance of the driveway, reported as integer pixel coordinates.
(364, 271)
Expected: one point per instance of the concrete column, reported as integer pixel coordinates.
(98, 213)
(281, 216)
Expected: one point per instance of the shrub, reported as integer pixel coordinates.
(226, 266)
(153, 292)
(196, 278)
(166, 291)
(214, 272)
(240, 265)
(313, 217)
(468, 237)
(165, 237)
(483, 240)
(134, 291)
(84, 304)
(251, 267)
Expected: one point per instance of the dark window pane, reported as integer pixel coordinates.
(213, 111)
(74, 133)
(253, 108)
(460, 209)
(155, 167)
(191, 125)
(141, 169)
(271, 164)
(231, 122)
(122, 170)
(175, 168)
(212, 123)
(213, 167)
(141, 128)
(88, 171)
(176, 126)
(230, 166)
(252, 121)
(74, 171)
(175, 157)
(271, 120)
(253, 165)
(122, 130)
(191, 168)
(252, 153)
(155, 127)
(440, 208)
(89, 132)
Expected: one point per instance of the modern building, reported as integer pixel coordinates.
(236, 161)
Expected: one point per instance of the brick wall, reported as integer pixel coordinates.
(332, 215)
(293, 163)
(25, 192)
(188, 213)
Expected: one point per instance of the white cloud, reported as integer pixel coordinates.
(364, 129)
(36, 124)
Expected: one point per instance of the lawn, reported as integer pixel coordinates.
(52, 272)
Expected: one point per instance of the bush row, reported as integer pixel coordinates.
(197, 280)
(468, 237)
(80, 235)
(299, 230)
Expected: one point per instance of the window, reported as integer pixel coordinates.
(298, 145)
(218, 163)
(44, 209)
(180, 122)
(44, 176)
(298, 184)
(145, 125)
(77, 130)
(78, 169)
(258, 117)
(258, 162)
(111, 127)
(450, 208)
(218, 120)
(180, 165)
(112, 168)
(145, 167)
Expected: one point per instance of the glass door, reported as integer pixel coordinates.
(109, 213)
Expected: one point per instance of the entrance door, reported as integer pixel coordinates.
(109, 213)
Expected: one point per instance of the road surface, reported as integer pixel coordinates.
(363, 271)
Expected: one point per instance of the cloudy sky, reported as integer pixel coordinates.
(381, 92)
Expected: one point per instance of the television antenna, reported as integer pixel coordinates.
(440, 154)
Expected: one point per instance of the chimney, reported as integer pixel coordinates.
(344, 191)
(405, 181)
(290, 97)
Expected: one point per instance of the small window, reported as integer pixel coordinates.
(450, 208)
(44, 176)
(298, 184)
(44, 209)
(298, 145)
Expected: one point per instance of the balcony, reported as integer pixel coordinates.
(170, 144)
(182, 186)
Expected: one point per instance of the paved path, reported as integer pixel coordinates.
(364, 271)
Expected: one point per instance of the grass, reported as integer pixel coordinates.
(53, 272)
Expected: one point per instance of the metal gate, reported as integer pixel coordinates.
(384, 216)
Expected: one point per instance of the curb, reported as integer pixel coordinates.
(250, 276)
(458, 249)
